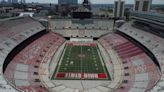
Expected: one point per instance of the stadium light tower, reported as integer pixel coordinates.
(49, 23)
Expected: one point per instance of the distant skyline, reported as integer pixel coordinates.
(95, 1)
(92, 1)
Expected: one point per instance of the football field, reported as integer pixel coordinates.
(81, 62)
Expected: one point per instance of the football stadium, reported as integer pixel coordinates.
(82, 55)
(81, 61)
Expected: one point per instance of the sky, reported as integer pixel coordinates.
(95, 1)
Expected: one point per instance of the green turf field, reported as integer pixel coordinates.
(81, 59)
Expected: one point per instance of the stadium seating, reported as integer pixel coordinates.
(140, 72)
(153, 43)
(82, 32)
(72, 27)
(13, 32)
(26, 61)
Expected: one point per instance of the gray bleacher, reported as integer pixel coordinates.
(92, 27)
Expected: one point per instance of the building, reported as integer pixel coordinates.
(23, 1)
(65, 6)
(119, 9)
(67, 2)
(142, 5)
(87, 4)
(3, 2)
(12, 1)
(9, 1)
(83, 11)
